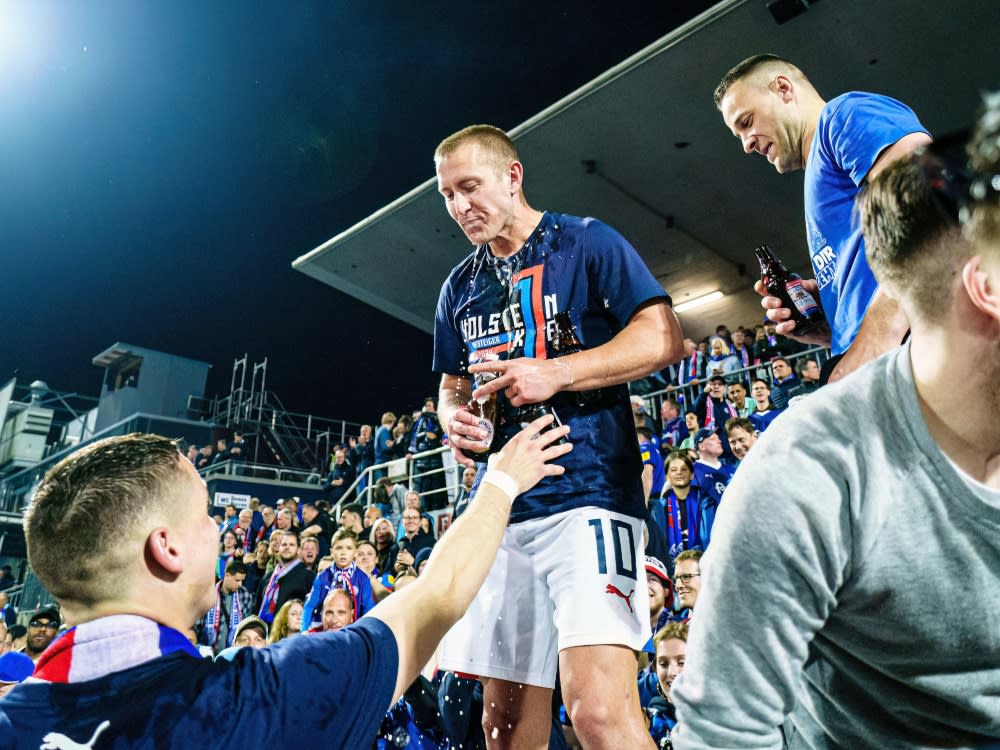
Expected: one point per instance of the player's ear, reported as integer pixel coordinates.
(162, 553)
(982, 285)
(515, 172)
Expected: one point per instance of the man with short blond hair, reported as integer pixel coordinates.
(496, 314)
(126, 674)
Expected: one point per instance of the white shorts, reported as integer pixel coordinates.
(573, 579)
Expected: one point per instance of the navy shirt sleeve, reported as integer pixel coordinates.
(449, 347)
(616, 272)
(306, 680)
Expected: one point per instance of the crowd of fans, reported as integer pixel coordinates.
(294, 569)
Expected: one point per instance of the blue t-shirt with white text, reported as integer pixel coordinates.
(853, 130)
(507, 308)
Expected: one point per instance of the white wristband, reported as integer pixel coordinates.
(503, 482)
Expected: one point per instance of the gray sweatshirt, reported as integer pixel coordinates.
(852, 585)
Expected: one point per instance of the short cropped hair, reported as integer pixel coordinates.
(739, 423)
(494, 144)
(343, 533)
(678, 630)
(236, 568)
(911, 242)
(87, 503)
(757, 64)
(688, 554)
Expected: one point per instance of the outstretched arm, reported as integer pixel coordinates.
(422, 613)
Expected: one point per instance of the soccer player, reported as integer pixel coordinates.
(572, 557)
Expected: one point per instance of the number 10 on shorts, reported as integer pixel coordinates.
(623, 547)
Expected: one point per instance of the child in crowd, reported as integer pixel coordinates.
(343, 574)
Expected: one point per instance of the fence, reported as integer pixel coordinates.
(687, 395)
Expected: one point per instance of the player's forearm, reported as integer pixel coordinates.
(651, 341)
(463, 557)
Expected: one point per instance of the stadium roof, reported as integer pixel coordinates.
(643, 148)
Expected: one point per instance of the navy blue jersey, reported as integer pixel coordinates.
(306, 689)
(507, 308)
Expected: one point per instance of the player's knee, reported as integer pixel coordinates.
(592, 719)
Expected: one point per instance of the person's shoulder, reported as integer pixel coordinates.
(456, 281)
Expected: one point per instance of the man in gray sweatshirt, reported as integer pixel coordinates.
(818, 624)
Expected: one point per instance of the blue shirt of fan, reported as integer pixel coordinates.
(675, 431)
(650, 455)
(853, 130)
(762, 420)
(583, 267)
(712, 482)
(307, 689)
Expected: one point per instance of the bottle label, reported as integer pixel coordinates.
(485, 424)
(804, 302)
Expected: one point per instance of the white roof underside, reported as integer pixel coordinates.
(934, 56)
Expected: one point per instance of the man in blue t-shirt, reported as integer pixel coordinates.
(773, 109)
(126, 676)
(674, 430)
(565, 588)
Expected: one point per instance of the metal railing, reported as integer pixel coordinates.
(14, 594)
(454, 469)
(232, 468)
(15, 488)
(687, 395)
(304, 440)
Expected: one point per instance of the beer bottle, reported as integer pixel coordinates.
(528, 414)
(567, 342)
(788, 288)
(485, 411)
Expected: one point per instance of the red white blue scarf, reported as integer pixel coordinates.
(344, 579)
(693, 366)
(269, 603)
(213, 618)
(710, 412)
(109, 644)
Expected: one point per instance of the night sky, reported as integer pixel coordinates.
(162, 164)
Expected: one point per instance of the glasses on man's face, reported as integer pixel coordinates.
(48, 625)
(686, 577)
